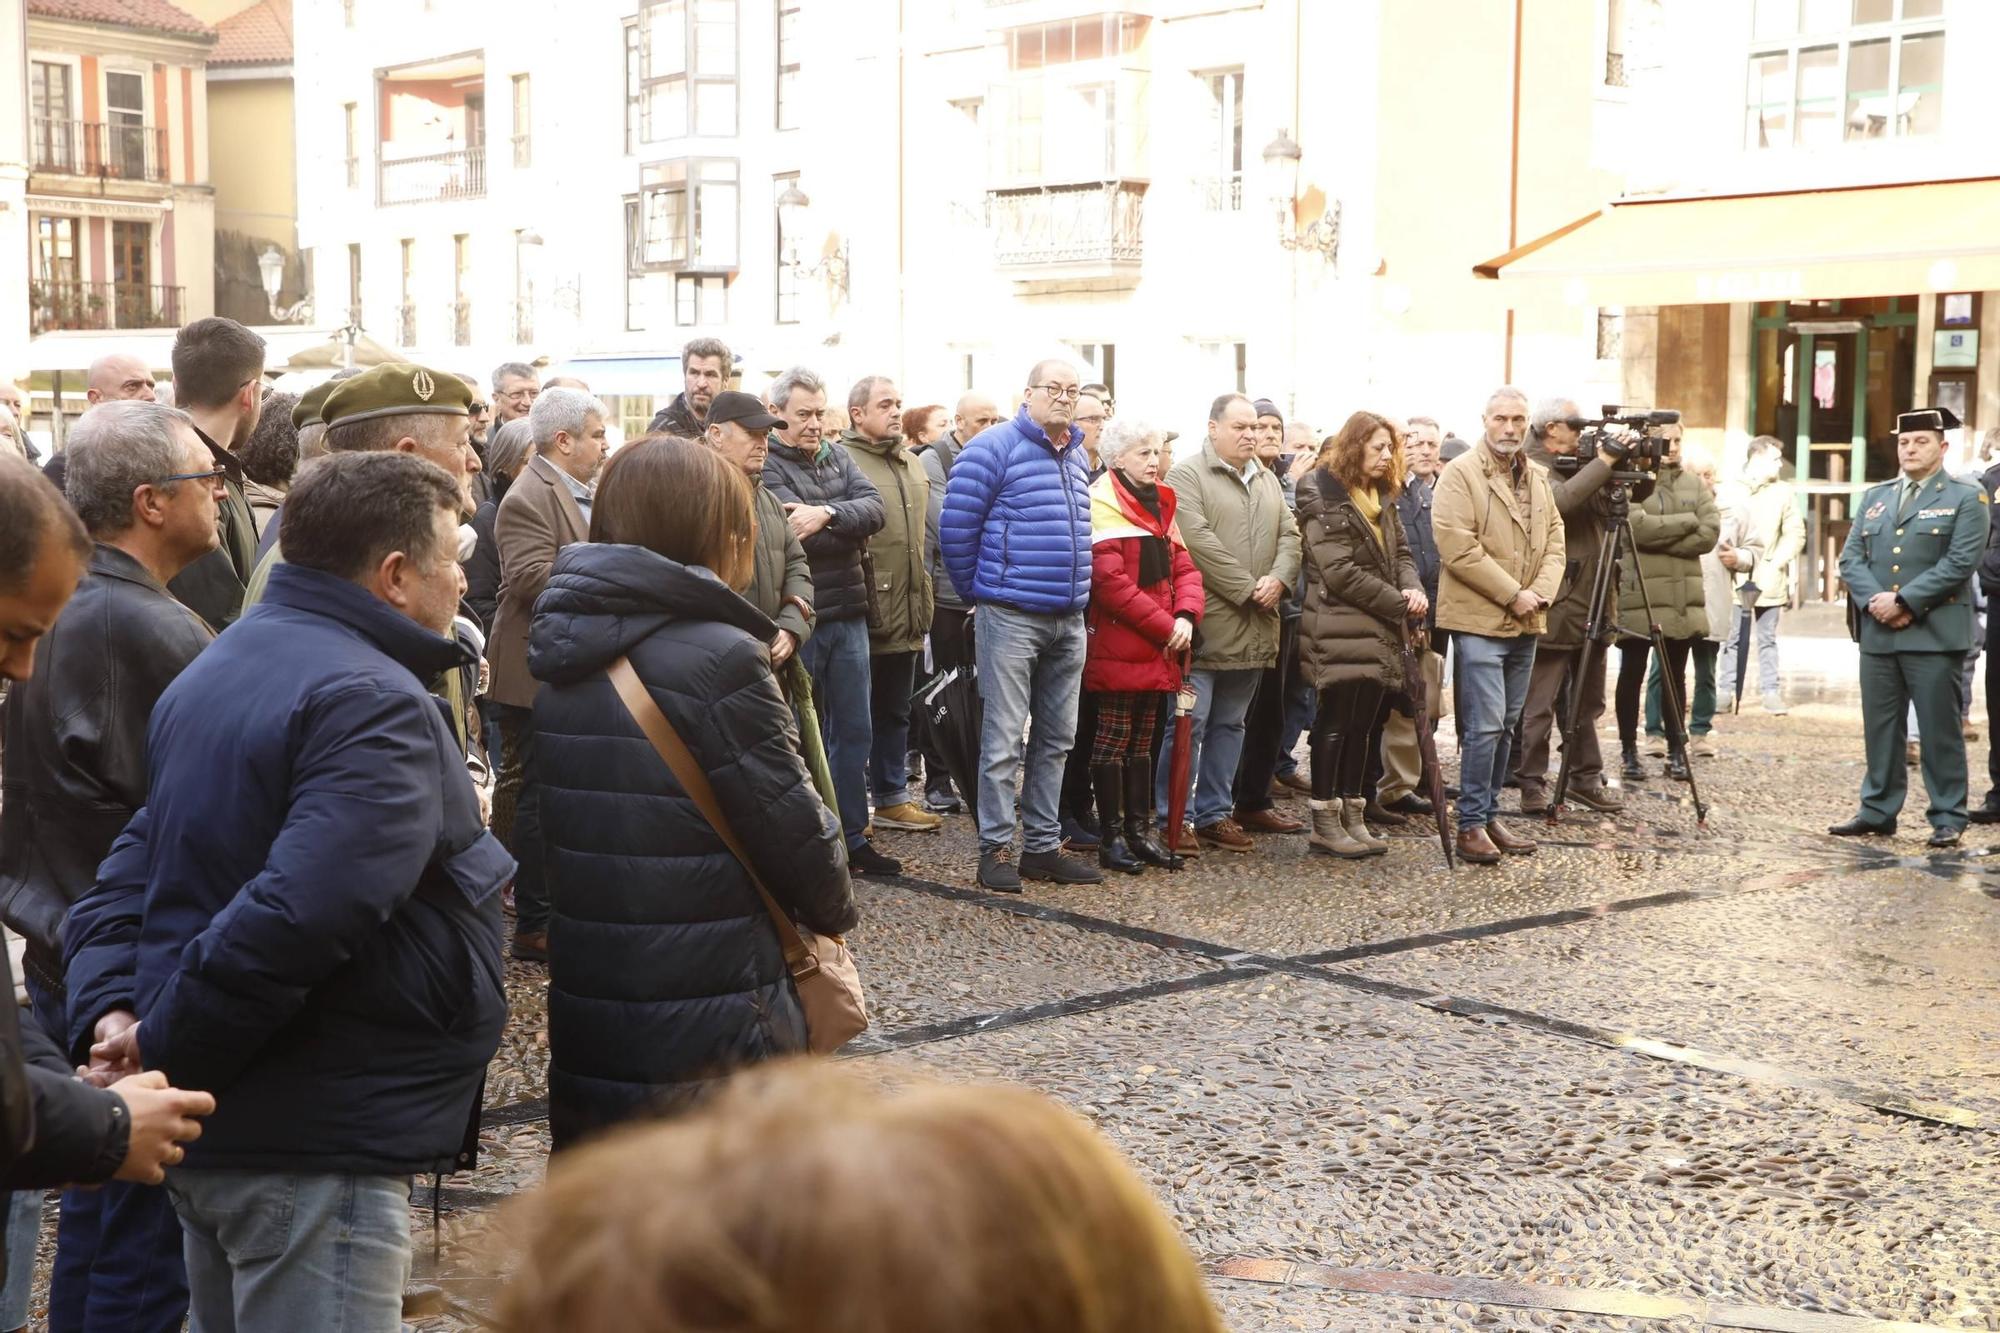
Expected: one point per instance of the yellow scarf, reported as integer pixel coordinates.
(1369, 501)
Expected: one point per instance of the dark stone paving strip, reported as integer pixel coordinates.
(1566, 1300)
(1038, 911)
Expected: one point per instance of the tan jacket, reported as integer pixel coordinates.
(1491, 546)
(1237, 534)
(537, 518)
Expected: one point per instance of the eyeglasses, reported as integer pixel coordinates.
(516, 395)
(1072, 393)
(214, 476)
(479, 409)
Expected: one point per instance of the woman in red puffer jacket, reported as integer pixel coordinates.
(1145, 602)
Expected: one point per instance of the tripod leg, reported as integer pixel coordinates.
(1593, 648)
(1671, 699)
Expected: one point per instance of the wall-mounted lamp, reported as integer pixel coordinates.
(794, 205)
(1322, 235)
(271, 268)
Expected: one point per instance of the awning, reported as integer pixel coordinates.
(283, 344)
(1881, 240)
(638, 374)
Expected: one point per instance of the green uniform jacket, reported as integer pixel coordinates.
(780, 571)
(1925, 552)
(1236, 533)
(1674, 529)
(903, 598)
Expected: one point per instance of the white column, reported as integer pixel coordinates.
(13, 190)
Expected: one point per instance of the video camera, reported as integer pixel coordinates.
(1630, 438)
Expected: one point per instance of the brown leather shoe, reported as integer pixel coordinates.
(531, 946)
(1381, 814)
(1267, 821)
(1508, 841)
(1474, 846)
(1226, 834)
(1294, 781)
(1189, 845)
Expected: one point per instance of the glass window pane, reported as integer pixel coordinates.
(665, 37)
(1868, 90)
(1819, 97)
(1874, 11)
(715, 37)
(1775, 18)
(1923, 9)
(1920, 103)
(1770, 101)
(1819, 16)
(666, 110)
(715, 224)
(715, 107)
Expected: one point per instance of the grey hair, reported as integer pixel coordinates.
(507, 451)
(1764, 444)
(1121, 434)
(857, 397)
(1546, 414)
(513, 370)
(1506, 391)
(114, 449)
(797, 378)
(561, 410)
(1432, 422)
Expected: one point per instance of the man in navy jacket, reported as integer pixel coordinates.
(305, 916)
(1015, 531)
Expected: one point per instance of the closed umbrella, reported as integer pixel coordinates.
(1747, 595)
(1180, 759)
(798, 686)
(949, 710)
(1413, 681)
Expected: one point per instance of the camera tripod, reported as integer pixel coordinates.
(1617, 538)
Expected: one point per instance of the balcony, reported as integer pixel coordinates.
(1088, 230)
(432, 178)
(92, 148)
(103, 305)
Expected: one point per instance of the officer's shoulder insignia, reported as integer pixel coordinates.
(1984, 498)
(1876, 510)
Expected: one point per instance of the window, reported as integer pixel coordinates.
(461, 304)
(351, 129)
(354, 285)
(785, 281)
(407, 312)
(1614, 44)
(56, 250)
(1224, 363)
(663, 204)
(1824, 72)
(1098, 363)
(1221, 184)
(1071, 108)
(634, 87)
(126, 140)
(49, 103)
(523, 124)
(788, 64)
(524, 287)
(688, 213)
(700, 298)
(687, 69)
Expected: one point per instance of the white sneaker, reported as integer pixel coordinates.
(1774, 704)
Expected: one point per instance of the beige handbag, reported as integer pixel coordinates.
(823, 971)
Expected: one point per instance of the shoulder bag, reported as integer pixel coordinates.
(822, 970)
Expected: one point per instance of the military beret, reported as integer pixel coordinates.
(1939, 419)
(396, 389)
(306, 411)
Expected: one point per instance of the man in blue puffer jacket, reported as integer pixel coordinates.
(1016, 538)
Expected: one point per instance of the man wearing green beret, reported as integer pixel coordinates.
(1908, 567)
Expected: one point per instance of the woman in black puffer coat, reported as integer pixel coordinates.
(1361, 584)
(664, 969)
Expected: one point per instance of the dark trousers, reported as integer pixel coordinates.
(892, 678)
(1078, 799)
(1344, 730)
(948, 650)
(119, 1263)
(1891, 683)
(517, 770)
(1264, 728)
(1542, 720)
(1993, 697)
(1632, 657)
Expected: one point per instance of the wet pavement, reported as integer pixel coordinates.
(1655, 1077)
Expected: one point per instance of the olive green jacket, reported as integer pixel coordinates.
(1676, 526)
(902, 598)
(1237, 532)
(780, 577)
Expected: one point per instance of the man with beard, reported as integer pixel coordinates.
(705, 364)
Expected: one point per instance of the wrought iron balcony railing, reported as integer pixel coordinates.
(459, 174)
(1094, 225)
(93, 148)
(103, 305)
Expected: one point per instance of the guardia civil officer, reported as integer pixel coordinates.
(1908, 565)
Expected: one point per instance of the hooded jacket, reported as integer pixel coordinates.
(829, 477)
(1130, 622)
(664, 968)
(903, 598)
(1676, 526)
(1355, 578)
(306, 914)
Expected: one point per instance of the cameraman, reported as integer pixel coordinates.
(1676, 526)
(1585, 504)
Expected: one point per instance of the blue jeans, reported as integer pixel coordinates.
(1765, 623)
(1300, 704)
(893, 679)
(24, 1229)
(118, 1262)
(1493, 679)
(1030, 676)
(1221, 702)
(836, 657)
(280, 1251)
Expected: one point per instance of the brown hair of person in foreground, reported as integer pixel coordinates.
(802, 1198)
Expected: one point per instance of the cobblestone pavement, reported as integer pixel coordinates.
(1655, 1077)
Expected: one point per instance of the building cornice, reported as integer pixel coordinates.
(250, 72)
(103, 39)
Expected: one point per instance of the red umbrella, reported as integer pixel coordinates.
(1180, 766)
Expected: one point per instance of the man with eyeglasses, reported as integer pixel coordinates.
(515, 388)
(1015, 531)
(219, 382)
(481, 413)
(147, 489)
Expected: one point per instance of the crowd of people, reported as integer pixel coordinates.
(311, 694)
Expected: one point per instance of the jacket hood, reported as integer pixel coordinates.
(603, 599)
(889, 448)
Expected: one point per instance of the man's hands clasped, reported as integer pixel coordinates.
(163, 1119)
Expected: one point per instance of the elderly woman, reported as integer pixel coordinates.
(1361, 589)
(10, 433)
(1145, 601)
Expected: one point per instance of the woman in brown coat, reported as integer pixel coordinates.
(1361, 587)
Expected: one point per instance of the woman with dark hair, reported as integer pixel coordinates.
(664, 968)
(1145, 601)
(1361, 588)
(270, 457)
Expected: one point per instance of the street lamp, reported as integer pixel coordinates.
(1321, 236)
(794, 205)
(271, 268)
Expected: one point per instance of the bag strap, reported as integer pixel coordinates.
(668, 744)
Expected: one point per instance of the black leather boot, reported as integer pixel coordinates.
(1140, 837)
(1632, 770)
(1112, 853)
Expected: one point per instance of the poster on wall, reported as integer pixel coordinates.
(1955, 397)
(1955, 349)
(1955, 310)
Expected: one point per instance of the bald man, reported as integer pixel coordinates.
(975, 412)
(116, 376)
